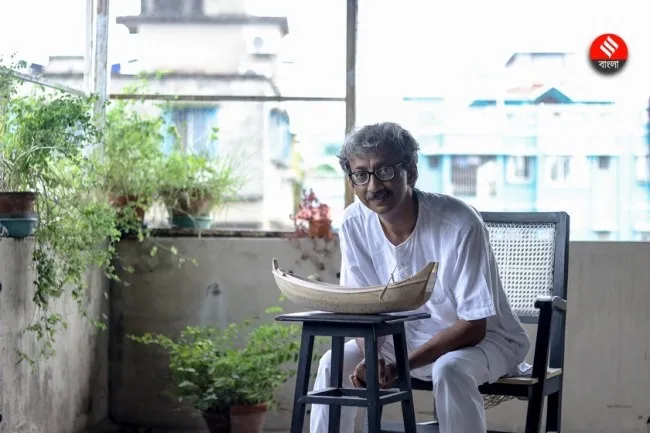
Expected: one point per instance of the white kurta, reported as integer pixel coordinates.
(468, 287)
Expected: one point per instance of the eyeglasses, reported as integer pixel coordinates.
(384, 173)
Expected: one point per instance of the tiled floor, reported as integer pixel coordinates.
(107, 427)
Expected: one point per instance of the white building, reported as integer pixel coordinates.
(214, 48)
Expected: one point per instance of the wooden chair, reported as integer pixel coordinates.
(532, 251)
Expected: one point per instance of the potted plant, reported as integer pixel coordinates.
(230, 381)
(132, 157)
(45, 139)
(313, 218)
(17, 215)
(193, 184)
(312, 221)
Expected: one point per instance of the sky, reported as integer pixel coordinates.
(422, 45)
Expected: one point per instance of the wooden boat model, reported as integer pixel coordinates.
(405, 295)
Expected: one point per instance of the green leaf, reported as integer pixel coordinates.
(273, 310)
(214, 368)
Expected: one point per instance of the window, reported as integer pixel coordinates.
(195, 127)
(603, 235)
(280, 138)
(560, 168)
(258, 43)
(604, 162)
(467, 172)
(433, 161)
(174, 8)
(642, 164)
(166, 7)
(519, 169)
(572, 170)
(643, 236)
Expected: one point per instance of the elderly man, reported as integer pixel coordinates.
(473, 336)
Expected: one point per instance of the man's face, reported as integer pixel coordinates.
(381, 196)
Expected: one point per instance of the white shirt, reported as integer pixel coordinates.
(467, 287)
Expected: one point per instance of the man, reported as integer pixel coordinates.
(473, 336)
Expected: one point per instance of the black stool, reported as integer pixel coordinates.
(339, 326)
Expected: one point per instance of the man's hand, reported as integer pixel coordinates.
(390, 375)
(386, 374)
(358, 378)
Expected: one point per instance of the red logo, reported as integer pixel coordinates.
(608, 53)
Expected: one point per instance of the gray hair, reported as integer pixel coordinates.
(385, 138)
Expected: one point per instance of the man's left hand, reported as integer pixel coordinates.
(389, 376)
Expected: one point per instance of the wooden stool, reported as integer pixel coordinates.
(368, 327)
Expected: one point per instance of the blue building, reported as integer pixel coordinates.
(541, 148)
(549, 144)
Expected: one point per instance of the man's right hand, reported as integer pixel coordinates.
(358, 378)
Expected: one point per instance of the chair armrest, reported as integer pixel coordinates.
(552, 302)
(546, 305)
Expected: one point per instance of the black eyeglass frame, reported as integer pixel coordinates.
(374, 173)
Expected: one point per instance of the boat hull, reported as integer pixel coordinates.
(406, 295)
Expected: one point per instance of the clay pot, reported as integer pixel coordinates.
(247, 419)
(217, 422)
(242, 419)
(17, 204)
(122, 201)
(320, 228)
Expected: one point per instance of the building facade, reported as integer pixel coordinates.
(540, 148)
(526, 146)
(207, 48)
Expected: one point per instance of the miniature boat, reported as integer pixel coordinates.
(405, 295)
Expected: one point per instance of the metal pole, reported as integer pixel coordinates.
(350, 80)
(647, 122)
(90, 46)
(209, 98)
(46, 83)
(100, 61)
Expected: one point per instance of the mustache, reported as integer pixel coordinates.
(377, 195)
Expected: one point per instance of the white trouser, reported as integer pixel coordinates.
(456, 377)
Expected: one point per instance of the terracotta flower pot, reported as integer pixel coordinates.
(217, 422)
(320, 228)
(122, 201)
(247, 419)
(241, 419)
(17, 204)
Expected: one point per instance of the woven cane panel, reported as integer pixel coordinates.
(525, 254)
(489, 401)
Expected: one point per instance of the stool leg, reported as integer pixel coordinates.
(401, 358)
(336, 381)
(302, 379)
(372, 382)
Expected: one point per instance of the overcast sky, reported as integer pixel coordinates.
(418, 44)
